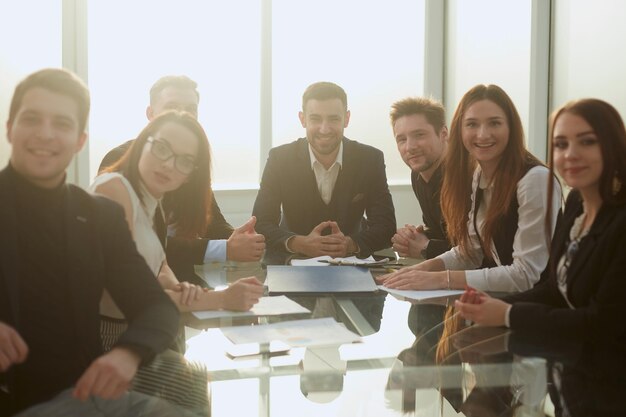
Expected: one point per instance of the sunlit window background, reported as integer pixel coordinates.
(133, 43)
(373, 49)
(362, 46)
(22, 51)
(251, 84)
(490, 44)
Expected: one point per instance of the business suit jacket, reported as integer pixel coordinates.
(289, 183)
(101, 254)
(596, 286)
(182, 254)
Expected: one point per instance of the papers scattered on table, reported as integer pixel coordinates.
(421, 295)
(296, 333)
(267, 306)
(327, 260)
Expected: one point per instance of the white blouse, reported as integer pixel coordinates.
(530, 248)
(146, 239)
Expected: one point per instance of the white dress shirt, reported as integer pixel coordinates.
(326, 178)
(530, 248)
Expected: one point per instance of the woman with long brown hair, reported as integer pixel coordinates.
(493, 201)
(580, 303)
(168, 163)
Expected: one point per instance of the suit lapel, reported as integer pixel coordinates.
(603, 220)
(79, 250)
(309, 182)
(342, 193)
(9, 253)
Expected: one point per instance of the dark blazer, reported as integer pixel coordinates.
(289, 184)
(183, 254)
(428, 195)
(596, 286)
(101, 254)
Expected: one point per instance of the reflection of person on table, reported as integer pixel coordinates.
(315, 191)
(500, 229)
(169, 160)
(581, 299)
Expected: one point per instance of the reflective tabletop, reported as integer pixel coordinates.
(414, 359)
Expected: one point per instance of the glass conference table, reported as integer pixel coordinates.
(414, 359)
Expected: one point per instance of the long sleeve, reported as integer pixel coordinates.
(153, 318)
(530, 246)
(267, 206)
(381, 219)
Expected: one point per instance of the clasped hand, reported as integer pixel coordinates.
(409, 241)
(335, 244)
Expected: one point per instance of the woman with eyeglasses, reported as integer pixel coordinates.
(581, 301)
(493, 201)
(168, 164)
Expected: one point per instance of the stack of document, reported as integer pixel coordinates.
(421, 295)
(296, 333)
(327, 260)
(267, 306)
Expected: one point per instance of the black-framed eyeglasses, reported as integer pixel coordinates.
(163, 152)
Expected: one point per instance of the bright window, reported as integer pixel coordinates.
(133, 43)
(373, 49)
(28, 42)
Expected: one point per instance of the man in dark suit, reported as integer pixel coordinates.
(59, 249)
(323, 184)
(220, 242)
(419, 127)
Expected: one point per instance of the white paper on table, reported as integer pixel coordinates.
(421, 295)
(311, 332)
(267, 306)
(316, 261)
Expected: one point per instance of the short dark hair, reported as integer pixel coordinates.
(181, 82)
(608, 126)
(57, 80)
(189, 205)
(432, 110)
(324, 90)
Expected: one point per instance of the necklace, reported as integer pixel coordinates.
(577, 232)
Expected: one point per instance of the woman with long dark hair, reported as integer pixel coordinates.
(581, 300)
(493, 201)
(169, 163)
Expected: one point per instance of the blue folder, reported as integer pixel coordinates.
(283, 279)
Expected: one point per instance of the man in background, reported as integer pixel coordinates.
(315, 190)
(220, 242)
(419, 127)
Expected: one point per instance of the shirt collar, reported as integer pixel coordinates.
(338, 160)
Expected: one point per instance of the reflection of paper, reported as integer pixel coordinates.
(316, 261)
(310, 332)
(421, 295)
(267, 306)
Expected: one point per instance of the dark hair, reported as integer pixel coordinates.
(432, 110)
(57, 80)
(324, 90)
(457, 182)
(608, 126)
(181, 82)
(188, 206)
